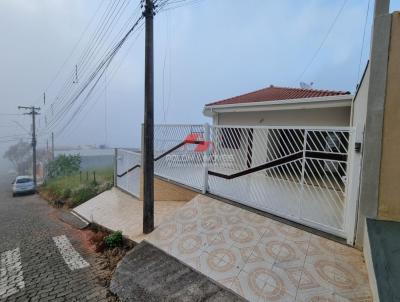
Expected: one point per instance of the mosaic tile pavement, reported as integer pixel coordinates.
(259, 258)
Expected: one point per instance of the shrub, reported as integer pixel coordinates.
(82, 194)
(104, 187)
(66, 193)
(64, 165)
(114, 239)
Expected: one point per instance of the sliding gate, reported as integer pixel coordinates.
(299, 173)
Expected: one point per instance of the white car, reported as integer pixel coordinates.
(23, 184)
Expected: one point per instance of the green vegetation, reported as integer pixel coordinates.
(64, 165)
(114, 239)
(76, 188)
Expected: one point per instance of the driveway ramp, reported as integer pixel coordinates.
(149, 274)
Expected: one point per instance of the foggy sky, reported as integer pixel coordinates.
(204, 52)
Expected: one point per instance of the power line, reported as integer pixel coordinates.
(322, 42)
(67, 105)
(99, 71)
(113, 73)
(74, 48)
(11, 114)
(91, 46)
(105, 108)
(363, 40)
(167, 5)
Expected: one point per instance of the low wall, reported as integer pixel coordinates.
(169, 191)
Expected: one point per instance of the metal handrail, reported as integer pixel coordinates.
(281, 161)
(185, 142)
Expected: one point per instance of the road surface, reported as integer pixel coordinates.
(43, 258)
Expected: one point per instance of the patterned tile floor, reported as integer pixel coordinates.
(259, 258)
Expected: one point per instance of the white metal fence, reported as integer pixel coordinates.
(183, 164)
(299, 173)
(296, 173)
(128, 171)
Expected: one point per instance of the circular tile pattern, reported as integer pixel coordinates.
(241, 234)
(253, 218)
(189, 244)
(336, 248)
(211, 223)
(226, 208)
(269, 232)
(335, 274)
(257, 281)
(272, 248)
(221, 260)
(289, 231)
(208, 210)
(286, 253)
(187, 214)
(321, 299)
(233, 219)
(166, 232)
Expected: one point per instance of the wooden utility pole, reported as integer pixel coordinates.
(33, 111)
(148, 131)
(52, 146)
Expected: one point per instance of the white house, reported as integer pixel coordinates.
(288, 141)
(275, 106)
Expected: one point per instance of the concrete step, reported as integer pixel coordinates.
(149, 274)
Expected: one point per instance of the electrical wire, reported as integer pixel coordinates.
(92, 46)
(322, 42)
(73, 49)
(113, 73)
(363, 41)
(64, 107)
(99, 71)
(91, 77)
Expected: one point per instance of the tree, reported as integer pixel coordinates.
(64, 165)
(19, 155)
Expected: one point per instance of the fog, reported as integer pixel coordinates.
(203, 52)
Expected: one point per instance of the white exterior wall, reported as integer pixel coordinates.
(337, 116)
(359, 114)
(358, 121)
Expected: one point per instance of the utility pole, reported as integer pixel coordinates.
(52, 146)
(33, 111)
(148, 131)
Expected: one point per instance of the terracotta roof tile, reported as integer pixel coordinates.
(273, 93)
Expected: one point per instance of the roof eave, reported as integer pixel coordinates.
(305, 103)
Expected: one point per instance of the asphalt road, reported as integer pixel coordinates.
(42, 258)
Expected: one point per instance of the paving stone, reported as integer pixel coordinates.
(29, 224)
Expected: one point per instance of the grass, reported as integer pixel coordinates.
(75, 189)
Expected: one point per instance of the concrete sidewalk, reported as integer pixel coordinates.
(259, 258)
(116, 210)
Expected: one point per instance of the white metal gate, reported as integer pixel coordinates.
(299, 173)
(296, 173)
(129, 171)
(176, 156)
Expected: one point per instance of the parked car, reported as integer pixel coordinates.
(22, 185)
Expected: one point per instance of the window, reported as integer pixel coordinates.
(23, 180)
